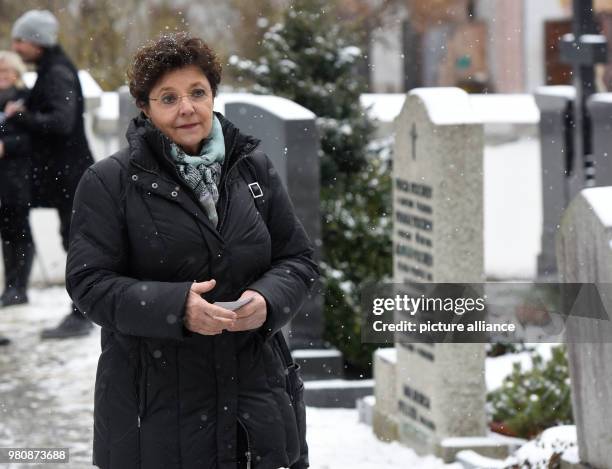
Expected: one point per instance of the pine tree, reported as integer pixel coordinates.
(531, 401)
(312, 60)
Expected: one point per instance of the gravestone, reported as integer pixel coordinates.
(600, 110)
(584, 254)
(556, 144)
(511, 153)
(438, 237)
(127, 111)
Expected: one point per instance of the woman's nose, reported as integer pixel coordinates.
(185, 105)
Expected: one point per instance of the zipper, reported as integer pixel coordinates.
(248, 451)
(142, 394)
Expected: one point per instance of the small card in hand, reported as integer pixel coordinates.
(233, 305)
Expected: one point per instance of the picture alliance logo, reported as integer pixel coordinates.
(413, 305)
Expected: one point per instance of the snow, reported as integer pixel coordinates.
(593, 39)
(571, 456)
(370, 400)
(488, 108)
(336, 441)
(600, 199)
(471, 459)
(90, 87)
(497, 368)
(512, 209)
(281, 107)
(338, 383)
(447, 106)
(564, 91)
(385, 107)
(505, 108)
(388, 354)
(109, 106)
(601, 98)
(538, 451)
(305, 353)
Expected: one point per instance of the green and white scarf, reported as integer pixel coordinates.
(203, 172)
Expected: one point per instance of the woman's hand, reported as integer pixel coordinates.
(252, 315)
(13, 107)
(203, 317)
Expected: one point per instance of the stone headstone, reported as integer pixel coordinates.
(555, 103)
(127, 111)
(584, 254)
(511, 154)
(438, 237)
(290, 138)
(600, 109)
(385, 412)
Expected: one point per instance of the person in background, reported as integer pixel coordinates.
(161, 232)
(15, 166)
(52, 115)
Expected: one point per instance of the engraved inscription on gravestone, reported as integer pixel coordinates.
(414, 226)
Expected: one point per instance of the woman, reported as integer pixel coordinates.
(15, 194)
(161, 231)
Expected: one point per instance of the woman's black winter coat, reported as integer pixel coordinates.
(166, 398)
(16, 164)
(54, 122)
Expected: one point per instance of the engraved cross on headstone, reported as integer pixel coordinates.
(414, 135)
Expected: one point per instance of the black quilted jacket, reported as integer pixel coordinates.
(166, 398)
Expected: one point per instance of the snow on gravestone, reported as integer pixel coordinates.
(438, 237)
(584, 254)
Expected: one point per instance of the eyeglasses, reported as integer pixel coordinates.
(170, 99)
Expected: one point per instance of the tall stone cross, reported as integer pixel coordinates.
(582, 49)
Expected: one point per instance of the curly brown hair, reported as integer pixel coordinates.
(167, 53)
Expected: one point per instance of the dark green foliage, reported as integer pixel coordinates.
(311, 59)
(531, 401)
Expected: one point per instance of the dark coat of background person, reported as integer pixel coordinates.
(165, 397)
(54, 121)
(16, 164)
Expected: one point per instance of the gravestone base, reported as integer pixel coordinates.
(323, 371)
(384, 418)
(384, 426)
(492, 446)
(316, 364)
(336, 392)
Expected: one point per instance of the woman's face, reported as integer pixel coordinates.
(181, 106)
(8, 76)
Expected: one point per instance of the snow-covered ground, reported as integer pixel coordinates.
(46, 399)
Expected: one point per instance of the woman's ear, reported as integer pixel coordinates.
(144, 108)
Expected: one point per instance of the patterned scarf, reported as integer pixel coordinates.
(203, 172)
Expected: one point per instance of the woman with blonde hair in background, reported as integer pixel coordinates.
(15, 165)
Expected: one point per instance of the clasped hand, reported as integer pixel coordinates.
(205, 318)
(13, 107)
